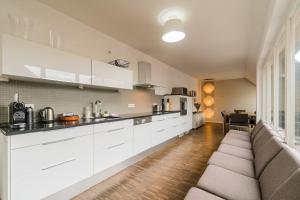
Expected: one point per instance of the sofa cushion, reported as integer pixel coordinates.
(245, 133)
(281, 177)
(232, 163)
(236, 151)
(228, 184)
(266, 153)
(238, 136)
(237, 142)
(198, 194)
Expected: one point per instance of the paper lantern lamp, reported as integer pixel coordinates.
(208, 88)
(208, 101)
(209, 113)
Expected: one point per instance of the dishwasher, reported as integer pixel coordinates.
(143, 134)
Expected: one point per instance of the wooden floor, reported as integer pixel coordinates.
(166, 174)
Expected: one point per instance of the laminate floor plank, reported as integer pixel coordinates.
(167, 174)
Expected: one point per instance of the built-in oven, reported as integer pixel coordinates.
(183, 106)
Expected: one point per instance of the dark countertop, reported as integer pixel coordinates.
(39, 126)
(198, 112)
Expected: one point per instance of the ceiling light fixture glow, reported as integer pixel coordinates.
(297, 56)
(173, 31)
(173, 36)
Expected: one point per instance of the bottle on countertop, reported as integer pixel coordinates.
(168, 105)
(29, 115)
(163, 109)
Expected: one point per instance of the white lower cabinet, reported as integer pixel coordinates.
(44, 163)
(41, 170)
(113, 143)
(143, 137)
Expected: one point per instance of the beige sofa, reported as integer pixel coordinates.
(250, 166)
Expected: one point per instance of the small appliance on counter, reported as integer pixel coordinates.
(180, 91)
(155, 108)
(47, 115)
(17, 113)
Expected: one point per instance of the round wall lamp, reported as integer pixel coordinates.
(208, 88)
(209, 113)
(208, 101)
(173, 31)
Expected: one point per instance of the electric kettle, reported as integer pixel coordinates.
(47, 114)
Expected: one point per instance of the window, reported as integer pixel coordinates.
(264, 94)
(297, 84)
(272, 93)
(281, 93)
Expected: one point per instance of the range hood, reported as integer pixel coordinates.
(144, 75)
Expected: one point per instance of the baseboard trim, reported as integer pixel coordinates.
(84, 185)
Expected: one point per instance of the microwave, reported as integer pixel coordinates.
(180, 91)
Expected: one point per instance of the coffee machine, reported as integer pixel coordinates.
(17, 112)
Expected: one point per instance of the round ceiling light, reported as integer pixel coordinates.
(173, 31)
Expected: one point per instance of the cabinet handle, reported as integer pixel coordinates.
(161, 130)
(113, 130)
(114, 146)
(160, 120)
(175, 117)
(174, 126)
(58, 164)
(57, 141)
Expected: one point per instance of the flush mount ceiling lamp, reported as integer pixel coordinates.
(173, 31)
(297, 57)
(172, 21)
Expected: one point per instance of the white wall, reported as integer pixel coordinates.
(234, 94)
(80, 38)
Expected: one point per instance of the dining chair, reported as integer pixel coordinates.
(239, 121)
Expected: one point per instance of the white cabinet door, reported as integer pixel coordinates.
(143, 137)
(107, 75)
(112, 146)
(66, 67)
(22, 58)
(41, 170)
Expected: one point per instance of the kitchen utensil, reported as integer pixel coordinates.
(70, 118)
(47, 114)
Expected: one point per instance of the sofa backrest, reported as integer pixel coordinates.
(256, 129)
(261, 139)
(280, 180)
(266, 153)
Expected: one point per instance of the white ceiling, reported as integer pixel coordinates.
(222, 36)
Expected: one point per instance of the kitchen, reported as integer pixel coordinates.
(149, 99)
(61, 95)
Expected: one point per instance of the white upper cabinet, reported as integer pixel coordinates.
(111, 76)
(25, 59)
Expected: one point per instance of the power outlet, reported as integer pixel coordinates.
(131, 105)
